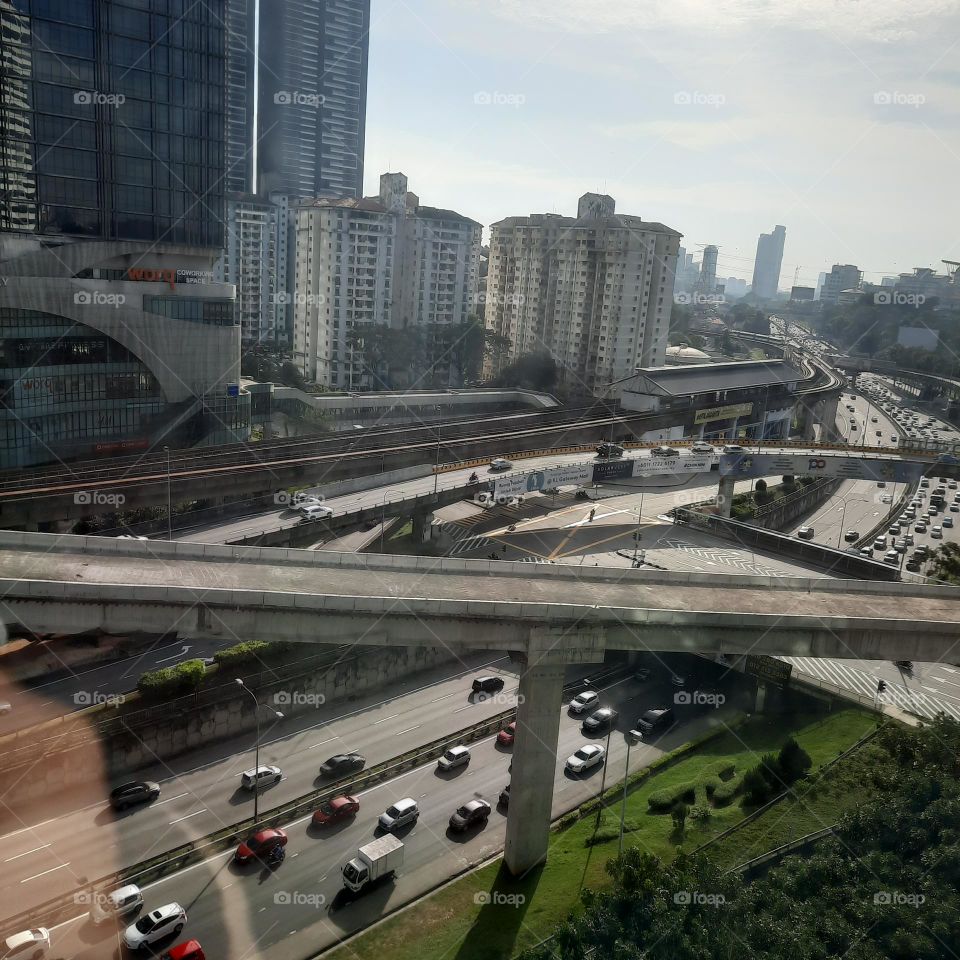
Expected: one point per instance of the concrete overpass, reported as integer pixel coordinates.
(560, 616)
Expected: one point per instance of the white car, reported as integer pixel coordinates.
(27, 944)
(454, 757)
(165, 921)
(116, 903)
(316, 511)
(584, 701)
(498, 464)
(589, 756)
(260, 777)
(301, 502)
(936, 531)
(701, 446)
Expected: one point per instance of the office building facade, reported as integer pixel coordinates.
(385, 260)
(113, 333)
(766, 267)
(595, 290)
(842, 277)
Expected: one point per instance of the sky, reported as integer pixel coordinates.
(839, 119)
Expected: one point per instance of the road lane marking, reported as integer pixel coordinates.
(322, 742)
(408, 730)
(392, 716)
(188, 816)
(43, 846)
(446, 696)
(45, 872)
(169, 799)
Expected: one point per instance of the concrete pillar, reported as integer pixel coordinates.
(540, 700)
(725, 496)
(421, 525)
(761, 697)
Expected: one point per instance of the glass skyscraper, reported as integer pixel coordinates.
(113, 334)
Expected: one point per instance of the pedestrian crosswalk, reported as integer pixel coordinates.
(535, 560)
(849, 677)
(738, 559)
(466, 544)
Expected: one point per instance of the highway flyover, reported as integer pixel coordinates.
(548, 618)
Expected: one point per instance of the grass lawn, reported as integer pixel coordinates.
(454, 924)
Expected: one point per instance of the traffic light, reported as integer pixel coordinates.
(881, 686)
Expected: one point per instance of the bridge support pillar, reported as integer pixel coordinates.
(540, 700)
(725, 496)
(421, 526)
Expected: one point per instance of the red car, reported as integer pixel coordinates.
(188, 950)
(506, 735)
(339, 808)
(260, 844)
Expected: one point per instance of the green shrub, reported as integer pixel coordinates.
(756, 789)
(251, 651)
(727, 790)
(661, 801)
(700, 813)
(175, 681)
(794, 762)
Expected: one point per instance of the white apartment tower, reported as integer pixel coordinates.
(595, 291)
(379, 260)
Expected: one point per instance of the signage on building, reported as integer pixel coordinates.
(769, 669)
(523, 483)
(168, 275)
(233, 390)
(723, 413)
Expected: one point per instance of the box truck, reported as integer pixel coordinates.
(378, 859)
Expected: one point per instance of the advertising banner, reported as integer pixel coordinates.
(652, 466)
(750, 465)
(523, 483)
(723, 413)
(770, 669)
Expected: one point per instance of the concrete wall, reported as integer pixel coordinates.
(777, 515)
(372, 669)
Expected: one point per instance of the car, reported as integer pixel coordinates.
(188, 950)
(732, 448)
(664, 451)
(881, 483)
(932, 511)
(900, 546)
(498, 464)
(453, 758)
(488, 684)
(601, 719)
(116, 903)
(893, 438)
(261, 776)
(925, 482)
(654, 720)
(886, 498)
(894, 530)
(302, 502)
(936, 531)
(910, 513)
(947, 521)
(399, 814)
(260, 843)
(920, 527)
(952, 485)
(642, 674)
(913, 565)
(315, 512)
(584, 701)
(335, 810)
(701, 446)
(873, 419)
(27, 944)
(866, 552)
(851, 536)
(891, 557)
(908, 539)
(880, 543)
(470, 814)
(586, 758)
(955, 507)
(609, 450)
(165, 921)
(507, 735)
(504, 798)
(132, 793)
(342, 765)
(805, 533)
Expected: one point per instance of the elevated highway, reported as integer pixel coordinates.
(563, 615)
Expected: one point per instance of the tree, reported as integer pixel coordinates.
(532, 371)
(679, 815)
(793, 761)
(946, 563)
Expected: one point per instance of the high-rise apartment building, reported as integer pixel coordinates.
(843, 276)
(707, 284)
(302, 66)
(312, 101)
(766, 267)
(594, 290)
(384, 260)
(113, 333)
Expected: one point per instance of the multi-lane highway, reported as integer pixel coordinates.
(297, 908)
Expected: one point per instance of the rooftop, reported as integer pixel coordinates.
(682, 381)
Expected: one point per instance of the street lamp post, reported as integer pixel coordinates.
(256, 761)
(632, 737)
(436, 468)
(166, 450)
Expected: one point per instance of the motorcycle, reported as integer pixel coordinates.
(276, 856)
(473, 478)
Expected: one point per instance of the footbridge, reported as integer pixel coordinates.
(546, 619)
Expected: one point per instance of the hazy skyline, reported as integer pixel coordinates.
(836, 119)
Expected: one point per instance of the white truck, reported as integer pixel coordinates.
(378, 859)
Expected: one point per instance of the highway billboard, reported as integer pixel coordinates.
(569, 474)
(749, 465)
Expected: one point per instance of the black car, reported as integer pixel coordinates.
(654, 720)
(470, 814)
(664, 451)
(487, 684)
(610, 450)
(342, 764)
(130, 794)
(601, 719)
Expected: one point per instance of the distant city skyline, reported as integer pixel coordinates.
(545, 100)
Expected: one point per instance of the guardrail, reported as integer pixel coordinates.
(62, 908)
(779, 852)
